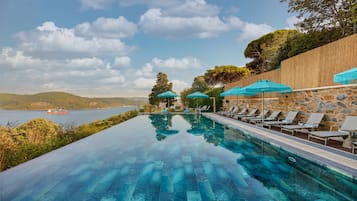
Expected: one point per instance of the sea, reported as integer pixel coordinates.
(14, 118)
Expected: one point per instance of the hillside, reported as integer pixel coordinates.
(44, 101)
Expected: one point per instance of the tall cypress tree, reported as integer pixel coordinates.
(162, 85)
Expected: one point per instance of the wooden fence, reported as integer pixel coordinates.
(314, 68)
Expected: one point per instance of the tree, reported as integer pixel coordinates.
(183, 95)
(225, 74)
(321, 15)
(264, 50)
(303, 42)
(199, 84)
(162, 85)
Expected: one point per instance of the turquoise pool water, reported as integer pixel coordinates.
(179, 157)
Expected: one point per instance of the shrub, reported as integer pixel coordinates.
(39, 136)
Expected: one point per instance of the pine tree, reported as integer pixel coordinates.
(162, 85)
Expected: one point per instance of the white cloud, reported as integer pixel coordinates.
(56, 74)
(85, 63)
(122, 61)
(179, 85)
(50, 40)
(192, 8)
(107, 28)
(10, 58)
(96, 4)
(153, 22)
(252, 31)
(182, 63)
(196, 19)
(151, 3)
(144, 83)
(113, 80)
(145, 71)
(249, 31)
(291, 21)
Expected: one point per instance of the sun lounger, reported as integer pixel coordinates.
(349, 125)
(208, 107)
(242, 112)
(288, 120)
(228, 111)
(233, 112)
(262, 114)
(273, 116)
(312, 123)
(250, 114)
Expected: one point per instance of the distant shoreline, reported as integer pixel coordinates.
(44, 110)
(56, 100)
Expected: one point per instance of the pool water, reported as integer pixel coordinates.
(173, 157)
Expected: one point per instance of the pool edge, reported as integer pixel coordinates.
(328, 158)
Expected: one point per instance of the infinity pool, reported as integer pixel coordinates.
(173, 157)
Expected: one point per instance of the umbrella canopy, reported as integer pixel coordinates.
(167, 94)
(346, 77)
(230, 91)
(266, 86)
(237, 91)
(197, 95)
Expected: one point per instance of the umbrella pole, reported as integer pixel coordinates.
(263, 108)
(197, 105)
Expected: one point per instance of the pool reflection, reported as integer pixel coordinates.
(163, 124)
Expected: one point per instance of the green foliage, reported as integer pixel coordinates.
(162, 85)
(303, 42)
(183, 95)
(324, 15)
(40, 136)
(213, 92)
(265, 49)
(225, 74)
(150, 108)
(38, 131)
(199, 84)
(44, 101)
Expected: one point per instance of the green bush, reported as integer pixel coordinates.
(39, 136)
(150, 108)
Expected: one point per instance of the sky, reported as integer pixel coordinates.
(115, 48)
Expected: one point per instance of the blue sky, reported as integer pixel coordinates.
(112, 48)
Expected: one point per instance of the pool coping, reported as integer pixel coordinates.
(338, 160)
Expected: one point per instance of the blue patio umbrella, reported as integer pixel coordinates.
(167, 95)
(236, 91)
(229, 91)
(196, 95)
(266, 86)
(346, 77)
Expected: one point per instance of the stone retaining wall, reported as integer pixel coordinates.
(336, 102)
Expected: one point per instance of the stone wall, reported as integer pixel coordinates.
(336, 102)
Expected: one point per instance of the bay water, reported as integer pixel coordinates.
(74, 117)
